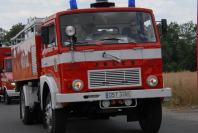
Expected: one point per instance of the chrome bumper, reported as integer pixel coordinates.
(98, 96)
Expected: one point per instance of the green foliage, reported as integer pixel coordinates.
(179, 47)
(14, 31)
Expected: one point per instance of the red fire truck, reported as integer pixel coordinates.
(8, 84)
(4, 52)
(97, 63)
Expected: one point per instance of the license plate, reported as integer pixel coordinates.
(118, 95)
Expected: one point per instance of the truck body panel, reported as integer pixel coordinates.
(27, 59)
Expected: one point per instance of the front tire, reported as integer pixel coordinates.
(25, 111)
(151, 116)
(54, 119)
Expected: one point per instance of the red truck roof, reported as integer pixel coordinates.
(93, 10)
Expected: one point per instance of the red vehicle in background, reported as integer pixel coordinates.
(4, 52)
(8, 85)
(98, 62)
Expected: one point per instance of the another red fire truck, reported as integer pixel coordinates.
(96, 63)
(4, 52)
(8, 84)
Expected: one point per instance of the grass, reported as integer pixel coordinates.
(184, 88)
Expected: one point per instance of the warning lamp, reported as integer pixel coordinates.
(131, 3)
(73, 4)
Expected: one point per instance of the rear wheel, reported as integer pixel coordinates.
(151, 116)
(25, 111)
(54, 119)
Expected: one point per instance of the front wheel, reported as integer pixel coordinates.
(151, 115)
(54, 119)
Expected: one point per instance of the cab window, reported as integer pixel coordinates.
(49, 36)
(8, 65)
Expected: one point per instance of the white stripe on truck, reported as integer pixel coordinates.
(81, 56)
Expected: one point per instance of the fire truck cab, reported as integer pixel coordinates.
(99, 62)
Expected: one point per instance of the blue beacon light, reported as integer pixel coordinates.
(73, 4)
(131, 3)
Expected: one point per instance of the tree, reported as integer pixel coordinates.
(2, 35)
(14, 31)
(178, 47)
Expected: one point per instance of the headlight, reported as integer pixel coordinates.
(13, 84)
(152, 81)
(77, 85)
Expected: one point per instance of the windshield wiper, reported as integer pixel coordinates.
(109, 39)
(81, 42)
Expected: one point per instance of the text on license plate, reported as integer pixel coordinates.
(118, 94)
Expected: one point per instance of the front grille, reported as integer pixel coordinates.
(114, 78)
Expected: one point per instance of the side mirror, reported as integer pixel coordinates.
(44, 35)
(164, 26)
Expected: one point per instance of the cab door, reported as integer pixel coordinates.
(50, 54)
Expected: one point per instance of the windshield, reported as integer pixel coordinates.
(108, 28)
(8, 65)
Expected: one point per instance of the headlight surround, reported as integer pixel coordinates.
(13, 84)
(152, 81)
(77, 85)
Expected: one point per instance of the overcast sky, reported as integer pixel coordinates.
(15, 11)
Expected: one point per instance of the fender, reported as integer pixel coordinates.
(30, 95)
(49, 80)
